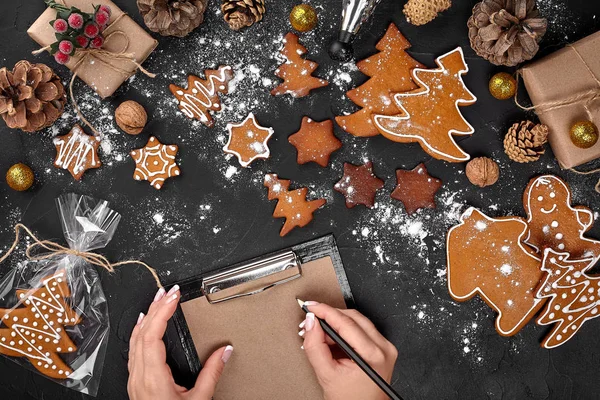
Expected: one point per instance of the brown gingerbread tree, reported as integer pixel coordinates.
(390, 73)
(573, 295)
(296, 72)
(430, 115)
(36, 331)
(292, 204)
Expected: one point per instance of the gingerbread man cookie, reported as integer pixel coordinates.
(315, 142)
(248, 141)
(296, 72)
(431, 115)
(36, 331)
(486, 257)
(202, 95)
(359, 185)
(292, 204)
(155, 162)
(554, 223)
(77, 152)
(574, 295)
(416, 189)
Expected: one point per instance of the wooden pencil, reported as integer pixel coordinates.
(354, 356)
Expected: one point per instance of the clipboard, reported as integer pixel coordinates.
(252, 305)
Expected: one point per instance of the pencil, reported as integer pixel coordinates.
(350, 352)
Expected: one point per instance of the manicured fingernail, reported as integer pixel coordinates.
(302, 324)
(159, 295)
(172, 298)
(227, 354)
(140, 318)
(310, 321)
(311, 303)
(173, 290)
(301, 333)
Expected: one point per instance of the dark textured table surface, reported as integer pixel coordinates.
(217, 213)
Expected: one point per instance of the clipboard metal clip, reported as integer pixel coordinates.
(251, 278)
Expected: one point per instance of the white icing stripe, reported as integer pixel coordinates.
(478, 290)
(265, 154)
(398, 98)
(192, 104)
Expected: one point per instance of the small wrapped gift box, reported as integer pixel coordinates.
(102, 71)
(565, 88)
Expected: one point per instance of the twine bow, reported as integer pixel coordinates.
(53, 249)
(101, 55)
(587, 98)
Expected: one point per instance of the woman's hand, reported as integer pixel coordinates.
(341, 378)
(149, 374)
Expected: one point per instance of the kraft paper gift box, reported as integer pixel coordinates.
(570, 75)
(101, 72)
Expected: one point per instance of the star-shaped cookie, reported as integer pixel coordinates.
(416, 189)
(315, 141)
(359, 185)
(155, 162)
(77, 152)
(248, 140)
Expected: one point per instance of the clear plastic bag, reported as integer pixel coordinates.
(54, 315)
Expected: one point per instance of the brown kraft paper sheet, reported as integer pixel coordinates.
(267, 362)
(127, 37)
(559, 76)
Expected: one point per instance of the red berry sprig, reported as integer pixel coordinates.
(75, 29)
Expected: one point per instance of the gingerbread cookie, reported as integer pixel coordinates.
(554, 223)
(486, 257)
(292, 204)
(431, 115)
(77, 152)
(390, 72)
(574, 296)
(416, 189)
(315, 142)
(155, 162)
(201, 95)
(359, 185)
(36, 331)
(296, 72)
(248, 140)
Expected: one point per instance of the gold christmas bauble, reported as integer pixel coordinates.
(19, 177)
(584, 134)
(303, 18)
(503, 86)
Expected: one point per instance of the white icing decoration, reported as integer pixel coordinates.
(261, 149)
(190, 105)
(75, 152)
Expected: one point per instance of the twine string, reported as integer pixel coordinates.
(53, 249)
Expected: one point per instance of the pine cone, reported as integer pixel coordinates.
(241, 13)
(420, 12)
(172, 18)
(525, 140)
(32, 97)
(506, 32)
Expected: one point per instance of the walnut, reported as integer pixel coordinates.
(131, 117)
(482, 171)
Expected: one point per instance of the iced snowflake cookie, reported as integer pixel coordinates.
(155, 162)
(315, 141)
(202, 95)
(77, 152)
(487, 257)
(553, 222)
(248, 141)
(359, 185)
(292, 204)
(36, 330)
(296, 72)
